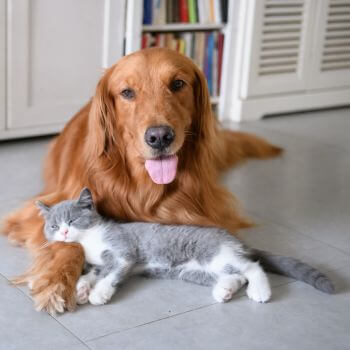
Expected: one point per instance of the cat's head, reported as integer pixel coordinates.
(67, 220)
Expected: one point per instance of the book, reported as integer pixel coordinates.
(220, 58)
(184, 16)
(176, 11)
(147, 12)
(224, 10)
(192, 11)
(214, 71)
(159, 12)
(217, 11)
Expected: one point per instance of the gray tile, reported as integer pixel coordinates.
(327, 221)
(15, 260)
(297, 318)
(329, 127)
(21, 172)
(139, 301)
(282, 240)
(23, 328)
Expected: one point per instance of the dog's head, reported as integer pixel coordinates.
(147, 106)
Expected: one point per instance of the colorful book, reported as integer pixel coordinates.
(192, 11)
(184, 17)
(224, 10)
(159, 12)
(220, 58)
(147, 11)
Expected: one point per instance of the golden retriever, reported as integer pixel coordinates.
(150, 149)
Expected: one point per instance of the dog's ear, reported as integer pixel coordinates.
(102, 117)
(204, 123)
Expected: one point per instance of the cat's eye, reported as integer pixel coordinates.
(177, 85)
(128, 94)
(70, 222)
(54, 227)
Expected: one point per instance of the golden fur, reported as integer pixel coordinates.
(103, 148)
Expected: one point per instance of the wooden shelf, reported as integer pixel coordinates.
(182, 27)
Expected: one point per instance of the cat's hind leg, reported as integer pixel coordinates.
(236, 258)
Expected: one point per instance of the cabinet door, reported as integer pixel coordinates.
(2, 64)
(56, 52)
(275, 49)
(331, 58)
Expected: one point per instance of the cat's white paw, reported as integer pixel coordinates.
(222, 294)
(260, 293)
(101, 294)
(227, 286)
(83, 291)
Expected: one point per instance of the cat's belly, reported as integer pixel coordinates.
(155, 268)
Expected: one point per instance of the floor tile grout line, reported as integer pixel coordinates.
(179, 314)
(151, 322)
(55, 319)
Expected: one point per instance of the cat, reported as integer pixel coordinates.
(203, 255)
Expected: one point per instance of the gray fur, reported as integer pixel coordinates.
(294, 268)
(168, 247)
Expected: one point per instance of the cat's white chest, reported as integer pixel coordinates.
(94, 245)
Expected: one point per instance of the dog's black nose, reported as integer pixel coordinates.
(159, 137)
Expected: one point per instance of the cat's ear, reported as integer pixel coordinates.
(85, 198)
(44, 209)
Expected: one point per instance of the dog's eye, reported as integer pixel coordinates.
(54, 227)
(177, 85)
(128, 94)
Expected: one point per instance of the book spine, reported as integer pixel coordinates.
(210, 52)
(169, 12)
(220, 58)
(214, 68)
(176, 11)
(192, 11)
(217, 11)
(211, 11)
(148, 9)
(224, 10)
(184, 11)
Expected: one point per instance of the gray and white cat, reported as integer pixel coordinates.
(202, 255)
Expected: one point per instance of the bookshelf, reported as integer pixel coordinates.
(135, 30)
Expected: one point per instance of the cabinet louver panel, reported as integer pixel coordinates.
(281, 37)
(336, 48)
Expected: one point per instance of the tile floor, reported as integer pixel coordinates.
(301, 203)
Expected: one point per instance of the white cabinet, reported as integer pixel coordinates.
(56, 51)
(286, 56)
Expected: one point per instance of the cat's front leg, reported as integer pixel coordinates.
(84, 286)
(106, 287)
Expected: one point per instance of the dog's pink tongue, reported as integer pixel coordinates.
(162, 171)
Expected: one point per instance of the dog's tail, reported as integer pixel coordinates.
(291, 267)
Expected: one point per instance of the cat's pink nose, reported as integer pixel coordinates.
(65, 232)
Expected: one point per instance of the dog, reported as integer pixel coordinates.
(150, 149)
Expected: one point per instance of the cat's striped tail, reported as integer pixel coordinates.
(291, 267)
